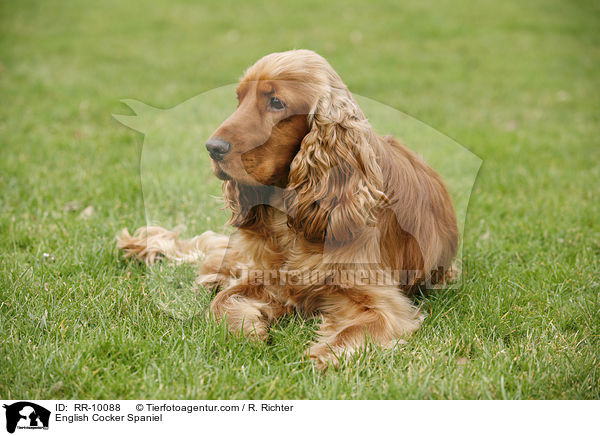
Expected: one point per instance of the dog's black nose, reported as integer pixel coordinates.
(217, 148)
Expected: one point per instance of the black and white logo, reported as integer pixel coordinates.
(26, 415)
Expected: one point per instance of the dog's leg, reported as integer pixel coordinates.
(218, 263)
(149, 244)
(247, 309)
(353, 317)
(224, 262)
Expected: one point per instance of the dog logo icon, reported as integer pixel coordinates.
(26, 415)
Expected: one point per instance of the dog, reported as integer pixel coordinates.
(314, 191)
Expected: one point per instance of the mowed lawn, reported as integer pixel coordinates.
(517, 83)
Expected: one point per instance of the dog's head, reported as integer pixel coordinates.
(257, 143)
(298, 127)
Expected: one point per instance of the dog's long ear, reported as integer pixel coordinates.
(247, 204)
(335, 181)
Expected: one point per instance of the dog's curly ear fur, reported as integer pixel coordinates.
(247, 204)
(335, 182)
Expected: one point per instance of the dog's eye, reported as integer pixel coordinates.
(276, 104)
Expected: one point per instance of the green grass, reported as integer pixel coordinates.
(516, 83)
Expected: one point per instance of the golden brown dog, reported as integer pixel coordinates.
(333, 220)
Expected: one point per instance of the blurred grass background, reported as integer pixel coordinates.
(517, 83)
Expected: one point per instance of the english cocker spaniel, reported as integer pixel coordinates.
(332, 219)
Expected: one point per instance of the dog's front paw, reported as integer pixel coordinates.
(324, 356)
(211, 281)
(136, 246)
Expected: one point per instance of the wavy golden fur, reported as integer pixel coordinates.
(312, 188)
